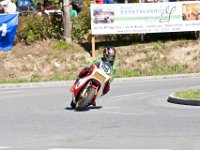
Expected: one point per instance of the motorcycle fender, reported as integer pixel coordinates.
(79, 86)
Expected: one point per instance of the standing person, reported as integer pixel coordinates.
(72, 11)
(109, 54)
(77, 5)
(48, 5)
(8, 6)
(99, 1)
(39, 8)
(108, 1)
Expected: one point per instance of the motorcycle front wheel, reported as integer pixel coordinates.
(86, 100)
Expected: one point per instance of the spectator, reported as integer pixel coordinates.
(161, 1)
(8, 6)
(1, 10)
(73, 12)
(120, 1)
(77, 5)
(25, 6)
(39, 8)
(108, 1)
(98, 1)
(48, 5)
(149, 1)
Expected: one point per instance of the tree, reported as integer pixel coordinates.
(66, 21)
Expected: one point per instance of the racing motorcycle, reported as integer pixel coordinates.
(90, 87)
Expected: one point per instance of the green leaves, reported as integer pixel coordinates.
(81, 26)
(33, 27)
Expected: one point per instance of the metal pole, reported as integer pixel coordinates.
(142, 35)
(93, 46)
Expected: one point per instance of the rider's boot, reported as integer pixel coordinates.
(72, 104)
(93, 103)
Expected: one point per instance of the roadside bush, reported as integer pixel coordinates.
(33, 27)
(81, 26)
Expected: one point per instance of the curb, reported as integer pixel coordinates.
(183, 101)
(116, 80)
(176, 76)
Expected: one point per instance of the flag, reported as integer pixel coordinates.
(8, 28)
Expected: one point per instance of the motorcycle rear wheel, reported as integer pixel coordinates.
(83, 103)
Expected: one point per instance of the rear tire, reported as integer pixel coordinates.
(85, 102)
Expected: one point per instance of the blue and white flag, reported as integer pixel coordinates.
(8, 28)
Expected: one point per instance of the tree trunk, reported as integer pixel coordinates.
(66, 21)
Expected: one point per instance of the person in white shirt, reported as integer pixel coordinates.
(9, 6)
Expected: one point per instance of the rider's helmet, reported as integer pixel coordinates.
(109, 54)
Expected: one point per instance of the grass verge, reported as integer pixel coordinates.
(189, 94)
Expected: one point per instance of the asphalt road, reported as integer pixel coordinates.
(134, 115)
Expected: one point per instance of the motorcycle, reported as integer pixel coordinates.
(90, 87)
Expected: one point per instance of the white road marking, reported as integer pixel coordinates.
(4, 147)
(101, 149)
(7, 92)
(126, 95)
(133, 94)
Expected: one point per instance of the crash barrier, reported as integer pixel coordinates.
(141, 18)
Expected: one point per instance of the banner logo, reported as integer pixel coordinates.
(3, 28)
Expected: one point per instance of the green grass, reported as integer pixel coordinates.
(156, 70)
(60, 45)
(189, 94)
(13, 81)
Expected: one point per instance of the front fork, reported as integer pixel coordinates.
(84, 92)
(85, 89)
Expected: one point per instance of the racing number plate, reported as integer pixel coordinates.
(99, 76)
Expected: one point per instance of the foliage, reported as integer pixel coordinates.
(81, 26)
(13, 81)
(86, 3)
(33, 27)
(56, 23)
(35, 78)
(61, 45)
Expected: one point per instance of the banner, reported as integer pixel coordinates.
(135, 18)
(8, 28)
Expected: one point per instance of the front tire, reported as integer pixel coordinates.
(81, 104)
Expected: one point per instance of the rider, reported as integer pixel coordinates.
(109, 54)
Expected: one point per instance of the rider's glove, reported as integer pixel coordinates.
(87, 69)
(84, 72)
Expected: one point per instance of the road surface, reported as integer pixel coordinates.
(134, 115)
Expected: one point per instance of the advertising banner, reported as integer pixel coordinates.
(8, 28)
(135, 18)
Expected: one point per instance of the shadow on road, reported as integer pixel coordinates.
(85, 109)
